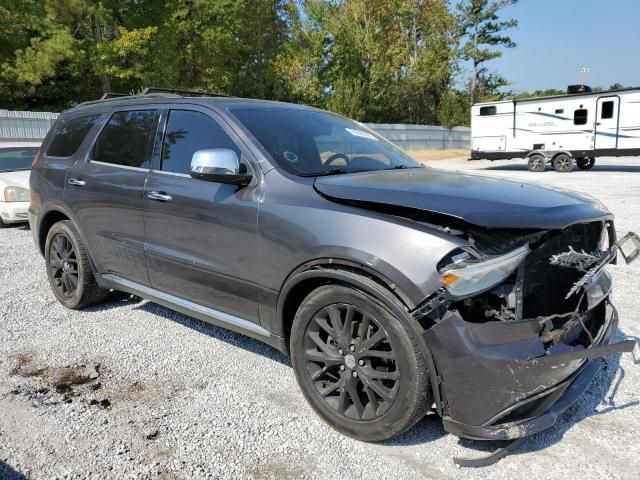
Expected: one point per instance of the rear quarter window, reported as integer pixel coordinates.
(69, 135)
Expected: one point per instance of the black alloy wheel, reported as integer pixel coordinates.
(69, 268)
(359, 365)
(351, 362)
(63, 263)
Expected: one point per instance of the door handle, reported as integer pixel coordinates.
(159, 196)
(76, 182)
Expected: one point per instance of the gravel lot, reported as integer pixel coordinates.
(133, 390)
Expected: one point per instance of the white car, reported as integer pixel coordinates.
(15, 168)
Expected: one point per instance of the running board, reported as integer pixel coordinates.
(206, 314)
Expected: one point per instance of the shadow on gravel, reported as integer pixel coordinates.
(596, 168)
(595, 395)
(8, 473)
(232, 338)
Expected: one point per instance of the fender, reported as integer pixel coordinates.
(60, 208)
(380, 293)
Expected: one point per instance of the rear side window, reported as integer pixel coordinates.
(580, 116)
(186, 133)
(127, 139)
(69, 136)
(486, 111)
(607, 109)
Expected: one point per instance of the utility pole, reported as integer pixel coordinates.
(584, 70)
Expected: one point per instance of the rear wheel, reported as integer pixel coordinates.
(357, 365)
(536, 163)
(563, 163)
(585, 163)
(69, 269)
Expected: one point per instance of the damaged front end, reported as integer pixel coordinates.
(522, 325)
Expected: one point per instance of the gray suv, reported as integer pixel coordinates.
(395, 288)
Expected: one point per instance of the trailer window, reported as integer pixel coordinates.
(607, 109)
(580, 116)
(486, 111)
(559, 110)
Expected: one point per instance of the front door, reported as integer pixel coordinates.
(606, 128)
(201, 236)
(105, 189)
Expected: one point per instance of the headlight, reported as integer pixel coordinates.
(16, 194)
(471, 277)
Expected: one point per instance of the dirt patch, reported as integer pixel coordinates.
(24, 366)
(434, 155)
(65, 378)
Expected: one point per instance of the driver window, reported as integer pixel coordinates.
(187, 132)
(350, 147)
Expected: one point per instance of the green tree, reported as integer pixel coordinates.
(482, 34)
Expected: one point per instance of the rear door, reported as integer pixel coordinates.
(105, 192)
(201, 236)
(606, 127)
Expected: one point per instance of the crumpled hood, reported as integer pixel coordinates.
(18, 178)
(484, 201)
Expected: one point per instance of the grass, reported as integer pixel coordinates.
(434, 155)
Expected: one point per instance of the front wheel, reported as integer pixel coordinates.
(358, 366)
(69, 269)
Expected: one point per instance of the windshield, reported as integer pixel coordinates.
(313, 143)
(16, 158)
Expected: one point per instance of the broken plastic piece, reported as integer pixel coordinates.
(491, 459)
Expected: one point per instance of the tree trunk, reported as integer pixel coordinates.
(97, 35)
(474, 72)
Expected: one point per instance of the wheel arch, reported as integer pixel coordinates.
(54, 214)
(304, 281)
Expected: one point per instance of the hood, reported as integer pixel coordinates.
(18, 178)
(484, 201)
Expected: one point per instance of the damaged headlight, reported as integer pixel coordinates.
(464, 277)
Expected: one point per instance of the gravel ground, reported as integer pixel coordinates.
(133, 390)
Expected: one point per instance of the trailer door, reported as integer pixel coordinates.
(606, 126)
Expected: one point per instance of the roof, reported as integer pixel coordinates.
(172, 98)
(566, 95)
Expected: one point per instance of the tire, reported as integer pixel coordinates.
(563, 163)
(2, 224)
(585, 163)
(73, 287)
(368, 381)
(536, 163)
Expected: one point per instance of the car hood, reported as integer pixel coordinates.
(484, 201)
(18, 178)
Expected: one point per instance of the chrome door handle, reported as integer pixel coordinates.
(77, 182)
(159, 196)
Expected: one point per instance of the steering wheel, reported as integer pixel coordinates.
(337, 156)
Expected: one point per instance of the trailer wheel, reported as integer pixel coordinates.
(563, 163)
(536, 163)
(585, 163)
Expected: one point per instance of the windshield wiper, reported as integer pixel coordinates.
(331, 171)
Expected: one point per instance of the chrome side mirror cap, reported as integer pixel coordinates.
(219, 165)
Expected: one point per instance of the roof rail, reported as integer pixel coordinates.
(186, 93)
(113, 95)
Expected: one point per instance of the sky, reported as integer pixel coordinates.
(556, 37)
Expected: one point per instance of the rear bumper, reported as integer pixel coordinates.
(14, 212)
(499, 382)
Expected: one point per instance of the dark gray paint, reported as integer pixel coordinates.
(224, 254)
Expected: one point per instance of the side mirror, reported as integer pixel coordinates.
(219, 165)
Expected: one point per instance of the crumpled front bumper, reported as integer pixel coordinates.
(500, 383)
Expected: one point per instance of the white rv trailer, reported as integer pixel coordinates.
(558, 130)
